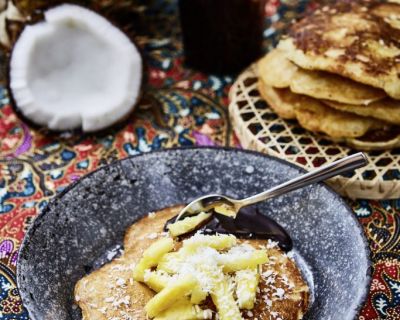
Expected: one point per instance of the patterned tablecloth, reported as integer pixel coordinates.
(180, 107)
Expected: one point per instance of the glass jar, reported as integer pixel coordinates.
(222, 36)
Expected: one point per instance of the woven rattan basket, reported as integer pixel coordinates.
(259, 128)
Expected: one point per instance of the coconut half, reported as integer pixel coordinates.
(74, 70)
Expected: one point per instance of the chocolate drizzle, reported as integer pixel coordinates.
(250, 223)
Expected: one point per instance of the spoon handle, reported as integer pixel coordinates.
(325, 172)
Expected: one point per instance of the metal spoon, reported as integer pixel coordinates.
(230, 207)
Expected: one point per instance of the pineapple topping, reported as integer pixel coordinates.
(204, 265)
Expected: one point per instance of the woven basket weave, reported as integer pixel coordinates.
(259, 128)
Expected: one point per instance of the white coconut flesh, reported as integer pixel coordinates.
(74, 70)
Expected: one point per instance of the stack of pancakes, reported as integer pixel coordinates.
(338, 73)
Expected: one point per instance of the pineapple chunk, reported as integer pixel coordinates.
(236, 263)
(151, 256)
(198, 295)
(226, 210)
(156, 280)
(188, 224)
(182, 310)
(170, 262)
(217, 242)
(178, 297)
(222, 297)
(246, 288)
(170, 295)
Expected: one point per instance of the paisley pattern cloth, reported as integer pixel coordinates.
(180, 107)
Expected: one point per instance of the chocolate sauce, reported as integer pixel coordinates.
(250, 223)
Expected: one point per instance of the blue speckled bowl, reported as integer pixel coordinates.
(91, 216)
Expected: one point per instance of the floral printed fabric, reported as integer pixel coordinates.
(180, 107)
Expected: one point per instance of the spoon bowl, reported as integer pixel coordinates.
(209, 203)
(217, 203)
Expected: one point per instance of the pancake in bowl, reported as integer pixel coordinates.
(112, 293)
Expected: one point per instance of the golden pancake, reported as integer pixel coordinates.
(390, 12)
(315, 116)
(111, 293)
(375, 141)
(280, 100)
(375, 134)
(353, 39)
(324, 85)
(386, 109)
(277, 71)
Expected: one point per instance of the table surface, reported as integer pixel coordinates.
(180, 107)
